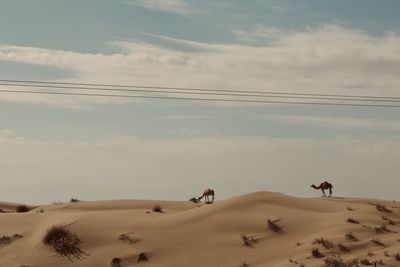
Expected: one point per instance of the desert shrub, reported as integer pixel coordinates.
(274, 227)
(316, 253)
(74, 200)
(64, 242)
(334, 262)
(352, 220)
(248, 241)
(343, 248)
(142, 257)
(382, 208)
(127, 238)
(326, 243)
(365, 262)
(378, 242)
(157, 208)
(116, 262)
(350, 237)
(22, 208)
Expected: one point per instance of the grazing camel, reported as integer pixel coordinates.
(324, 186)
(207, 193)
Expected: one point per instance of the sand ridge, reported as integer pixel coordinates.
(190, 234)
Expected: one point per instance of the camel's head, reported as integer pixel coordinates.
(313, 186)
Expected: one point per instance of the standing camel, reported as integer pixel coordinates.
(207, 193)
(324, 186)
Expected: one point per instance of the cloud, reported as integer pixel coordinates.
(335, 122)
(172, 6)
(327, 59)
(178, 168)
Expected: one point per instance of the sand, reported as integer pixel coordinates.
(189, 234)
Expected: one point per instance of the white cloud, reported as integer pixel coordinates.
(125, 166)
(335, 122)
(174, 6)
(328, 59)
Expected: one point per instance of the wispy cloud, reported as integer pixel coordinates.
(335, 122)
(172, 6)
(328, 59)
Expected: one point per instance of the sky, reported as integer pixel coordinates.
(53, 148)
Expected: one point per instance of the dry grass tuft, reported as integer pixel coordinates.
(378, 242)
(142, 257)
(116, 262)
(326, 243)
(22, 208)
(343, 248)
(64, 242)
(248, 241)
(316, 253)
(157, 208)
(351, 237)
(352, 220)
(382, 208)
(274, 227)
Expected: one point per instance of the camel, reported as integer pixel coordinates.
(324, 186)
(207, 193)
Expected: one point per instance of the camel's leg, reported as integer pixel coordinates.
(213, 198)
(323, 193)
(330, 191)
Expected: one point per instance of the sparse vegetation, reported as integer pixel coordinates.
(157, 208)
(22, 208)
(244, 264)
(349, 208)
(352, 220)
(8, 240)
(127, 238)
(343, 248)
(74, 200)
(365, 262)
(248, 241)
(382, 208)
(116, 262)
(64, 242)
(142, 257)
(326, 243)
(316, 253)
(351, 237)
(337, 261)
(397, 256)
(274, 227)
(378, 242)
(382, 229)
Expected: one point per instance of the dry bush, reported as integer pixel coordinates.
(382, 229)
(378, 242)
(248, 241)
(351, 237)
(274, 227)
(64, 242)
(74, 200)
(116, 262)
(5, 240)
(22, 208)
(343, 248)
(142, 257)
(127, 238)
(382, 208)
(365, 262)
(352, 220)
(157, 208)
(316, 253)
(337, 261)
(326, 243)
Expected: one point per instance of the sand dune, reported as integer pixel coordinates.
(188, 234)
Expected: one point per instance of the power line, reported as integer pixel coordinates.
(201, 99)
(195, 93)
(197, 89)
